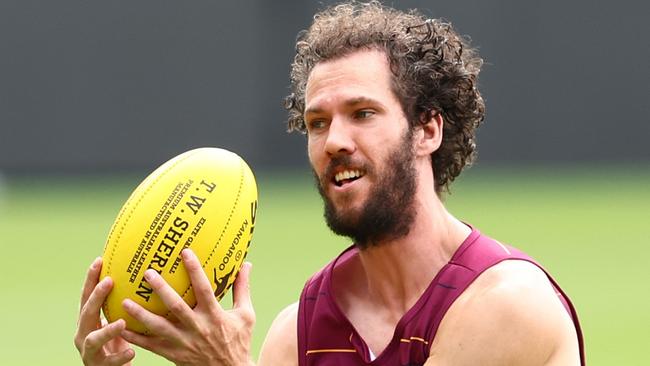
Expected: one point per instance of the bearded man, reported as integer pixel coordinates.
(389, 104)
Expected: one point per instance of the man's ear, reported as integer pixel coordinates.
(429, 135)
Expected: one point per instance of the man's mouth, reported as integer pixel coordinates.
(347, 176)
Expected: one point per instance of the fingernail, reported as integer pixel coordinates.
(127, 304)
(186, 253)
(107, 281)
(96, 263)
(149, 274)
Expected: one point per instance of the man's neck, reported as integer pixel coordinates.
(377, 287)
(396, 273)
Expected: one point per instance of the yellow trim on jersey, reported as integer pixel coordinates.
(330, 350)
(403, 340)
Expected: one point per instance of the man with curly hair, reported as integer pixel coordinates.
(389, 104)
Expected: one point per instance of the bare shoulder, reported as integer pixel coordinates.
(510, 315)
(281, 344)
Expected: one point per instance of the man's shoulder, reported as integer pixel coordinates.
(510, 277)
(511, 288)
(510, 313)
(281, 344)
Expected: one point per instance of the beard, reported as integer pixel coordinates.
(388, 212)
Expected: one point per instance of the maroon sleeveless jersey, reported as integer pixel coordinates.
(327, 338)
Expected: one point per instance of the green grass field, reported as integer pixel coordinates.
(589, 227)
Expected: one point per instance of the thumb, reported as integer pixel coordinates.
(241, 297)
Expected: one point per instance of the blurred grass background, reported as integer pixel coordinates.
(588, 226)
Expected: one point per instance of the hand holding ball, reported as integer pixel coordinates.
(204, 199)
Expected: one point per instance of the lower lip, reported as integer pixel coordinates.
(346, 186)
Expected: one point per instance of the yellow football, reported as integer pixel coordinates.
(204, 199)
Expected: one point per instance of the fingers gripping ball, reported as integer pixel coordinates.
(204, 199)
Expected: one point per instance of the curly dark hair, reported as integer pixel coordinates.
(434, 70)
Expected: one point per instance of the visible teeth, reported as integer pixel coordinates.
(347, 174)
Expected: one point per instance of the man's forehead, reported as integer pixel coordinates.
(363, 76)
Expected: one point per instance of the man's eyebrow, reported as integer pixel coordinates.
(362, 100)
(313, 110)
(348, 103)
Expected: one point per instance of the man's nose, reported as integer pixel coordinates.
(339, 138)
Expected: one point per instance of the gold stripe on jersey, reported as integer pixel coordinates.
(404, 340)
(331, 350)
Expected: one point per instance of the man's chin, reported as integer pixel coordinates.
(342, 221)
(347, 216)
(347, 212)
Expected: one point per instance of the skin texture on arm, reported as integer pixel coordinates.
(281, 344)
(510, 315)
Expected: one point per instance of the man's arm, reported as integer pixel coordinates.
(281, 344)
(511, 315)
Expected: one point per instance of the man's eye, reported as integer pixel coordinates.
(364, 113)
(316, 124)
